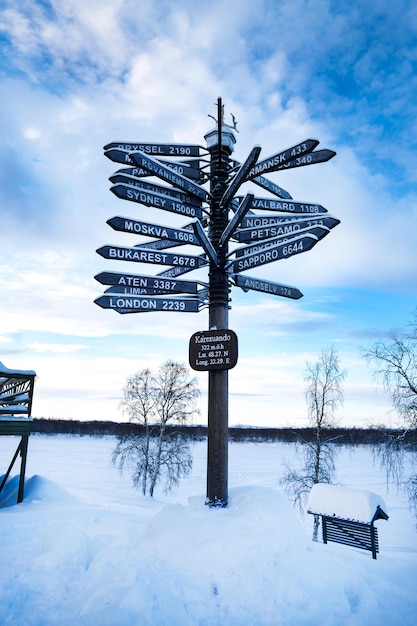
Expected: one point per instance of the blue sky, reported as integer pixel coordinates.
(77, 75)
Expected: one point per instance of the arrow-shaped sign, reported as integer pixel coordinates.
(176, 235)
(240, 177)
(143, 255)
(205, 242)
(165, 173)
(236, 219)
(180, 167)
(265, 286)
(136, 304)
(122, 176)
(274, 162)
(267, 184)
(148, 198)
(157, 149)
(140, 281)
(289, 248)
(319, 156)
(275, 227)
(318, 231)
(271, 204)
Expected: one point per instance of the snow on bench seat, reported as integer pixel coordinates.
(358, 505)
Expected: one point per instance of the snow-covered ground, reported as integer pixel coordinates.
(85, 549)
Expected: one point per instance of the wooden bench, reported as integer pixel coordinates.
(356, 529)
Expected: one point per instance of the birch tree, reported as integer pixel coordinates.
(324, 395)
(157, 401)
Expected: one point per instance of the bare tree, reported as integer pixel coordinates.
(324, 395)
(156, 402)
(395, 366)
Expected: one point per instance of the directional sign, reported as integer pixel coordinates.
(144, 255)
(183, 168)
(284, 250)
(318, 231)
(270, 204)
(277, 229)
(136, 291)
(236, 219)
(121, 176)
(159, 244)
(156, 168)
(240, 177)
(264, 221)
(319, 156)
(205, 242)
(263, 182)
(134, 304)
(149, 198)
(213, 350)
(265, 286)
(127, 225)
(172, 272)
(274, 162)
(158, 149)
(139, 281)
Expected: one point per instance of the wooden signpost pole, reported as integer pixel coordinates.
(218, 394)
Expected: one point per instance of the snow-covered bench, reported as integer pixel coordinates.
(348, 515)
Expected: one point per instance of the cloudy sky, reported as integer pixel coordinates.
(77, 75)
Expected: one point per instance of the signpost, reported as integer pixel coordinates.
(139, 281)
(158, 149)
(148, 198)
(256, 227)
(133, 304)
(143, 255)
(156, 168)
(295, 245)
(129, 179)
(266, 286)
(179, 235)
(265, 244)
(271, 204)
(217, 218)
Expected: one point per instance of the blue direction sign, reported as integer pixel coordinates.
(240, 213)
(136, 291)
(265, 286)
(173, 272)
(282, 250)
(267, 184)
(318, 231)
(275, 161)
(156, 168)
(127, 177)
(319, 156)
(240, 177)
(279, 228)
(139, 281)
(159, 244)
(177, 235)
(149, 198)
(143, 255)
(180, 167)
(253, 221)
(135, 304)
(270, 204)
(158, 149)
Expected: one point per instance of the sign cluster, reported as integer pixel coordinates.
(170, 177)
